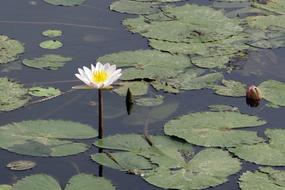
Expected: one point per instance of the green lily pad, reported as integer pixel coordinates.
(208, 168)
(137, 88)
(45, 137)
(149, 102)
(163, 151)
(9, 49)
(221, 107)
(51, 44)
(5, 187)
(77, 182)
(273, 91)
(44, 92)
(13, 95)
(164, 86)
(271, 154)
(52, 33)
(65, 2)
(263, 179)
(147, 64)
(195, 79)
(21, 165)
(273, 6)
(215, 129)
(230, 88)
(50, 61)
(133, 7)
(124, 161)
(185, 19)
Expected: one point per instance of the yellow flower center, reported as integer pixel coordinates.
(99, 76)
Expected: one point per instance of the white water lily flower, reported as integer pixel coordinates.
(99, 76)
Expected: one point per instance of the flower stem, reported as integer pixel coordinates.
(100, 111)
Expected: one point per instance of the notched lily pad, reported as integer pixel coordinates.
(13, 95)
(51, 44)
(221, 107)
(45, 137)
(50, 61)
(271, 153)
(273, 91)
(263, 179)
(215, 129)
(9, 49)
(149, 102)
(134, 7)
(230, 88)
(44, 92)
(137, 88)
(21, 165)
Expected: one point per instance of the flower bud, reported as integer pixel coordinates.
(253, 93)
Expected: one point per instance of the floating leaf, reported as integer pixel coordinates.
(155, 101)
(21, 165)
(5, 187)
(44, 92)
(89, 182)
(65, 2)
(273, 91)
(209, 168)
(147, 64)
(45, 137)
(230, 88)
(163, 85)
(221, 107)
(50, 61)
(264, 179)
(215, 129)
(124, 161)
(78, 182)
(133, 7)
(194, 79)
(51, 44)
(142, 115)
(52, 33)
(13, 95)
(272, 153)
(9, 49)
(274, 6)
(137, 88)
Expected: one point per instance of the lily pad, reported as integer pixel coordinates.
(263, 179)
(273, 6)
(209, 168)
(51, 44)
(21, 165)
(78, 182)
(5, 187)
(149, 102)
(9, 49)
(164, 86)
(13, 95)
(215, 129)
(271, 153)
(147, 64)
(221, 107)
(65, 2)
(137, 88)
(45, 137)
(44, 92)
(177, 167)
(230, 88)
(273, 91)
(50, 61)
(51, 33)
(133, 7)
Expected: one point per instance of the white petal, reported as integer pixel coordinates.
(111, 69)
(93, 68)
(99, 66)
(88, 73)
(83, 74)
(106, 66)
(80, 77)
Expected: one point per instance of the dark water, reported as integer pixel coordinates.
(91, 31)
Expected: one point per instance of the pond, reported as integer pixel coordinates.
(187, 124)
